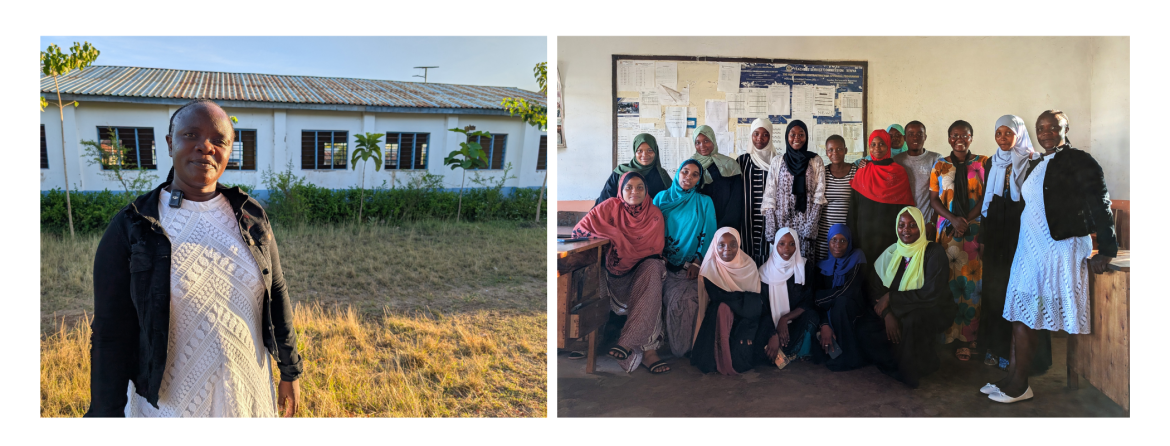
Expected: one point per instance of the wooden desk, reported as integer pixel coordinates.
(1102, 356)
(581, 307)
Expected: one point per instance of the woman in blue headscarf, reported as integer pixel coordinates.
(840, 300)
(690, 224)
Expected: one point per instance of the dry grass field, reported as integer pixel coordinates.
(407, 320)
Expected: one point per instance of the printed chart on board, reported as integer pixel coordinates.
(670, 98)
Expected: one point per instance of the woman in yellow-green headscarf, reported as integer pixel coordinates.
(913, 303)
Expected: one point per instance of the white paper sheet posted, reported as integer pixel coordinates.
(716, 116)
(726, 142)
(779, 97)
(823, 132)
(676, 121)
(849, 99)
(625, 145)
(743, 139)
(666, 74)
(646, 126)
(673, 96)
(729, 77)
(851, 115)
(854, 136)
(649, 105)
(668, 148)
(629, 122)
(802, 100)
(824, 97)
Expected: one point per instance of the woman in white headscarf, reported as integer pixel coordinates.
(788, 315)
(754, 165)
(1002, 208)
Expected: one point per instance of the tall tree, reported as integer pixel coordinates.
(56, 64)
(535, 115)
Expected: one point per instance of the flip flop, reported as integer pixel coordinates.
(964, 354)
(619, 353)
(576, 355)
(656, 365)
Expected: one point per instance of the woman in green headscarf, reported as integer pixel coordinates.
(912, 303)
(721, 179)
(645, 162)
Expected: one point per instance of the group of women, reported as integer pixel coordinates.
(775, 256)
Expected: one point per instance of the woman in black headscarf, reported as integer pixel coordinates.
(795, 190)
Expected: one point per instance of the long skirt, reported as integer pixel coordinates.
(680, 297)
(914, 355)
(966, 280)
(843, 320)
(638, 295)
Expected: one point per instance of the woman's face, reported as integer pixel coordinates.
(908, 230)
(786, 247)
(1050, 131)
(797, 138)
(836, 151)
(727, 248)
(688, 177)
(837, 245)
(200, 145)
(761, 138)
(878, 149)
(960, 140)
(703, 145)
(634, 192)
(1005, 138)
(896, 138)
(645, 154)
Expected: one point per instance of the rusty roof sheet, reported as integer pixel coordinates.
(102, 80)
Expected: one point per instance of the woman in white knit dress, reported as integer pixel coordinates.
(1065, 200)
(189, 296)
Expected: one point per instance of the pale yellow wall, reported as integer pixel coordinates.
(1109, 121)
(935, 80)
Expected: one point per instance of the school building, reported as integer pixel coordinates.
(306, 121)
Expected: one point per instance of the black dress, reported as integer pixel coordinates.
(842, 308)
(1000, 235)
(799, 296)
(922, 314)
(751, 226)
(872, 224)
(727, 195)
(746, 306)
(654, 185)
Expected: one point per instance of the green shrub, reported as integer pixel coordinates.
(91, 211)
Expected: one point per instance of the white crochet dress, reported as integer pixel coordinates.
(1049, 286)
(216, 365)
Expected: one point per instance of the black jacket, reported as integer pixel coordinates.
(1076, 201)
(132, 293)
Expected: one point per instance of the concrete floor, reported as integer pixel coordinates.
(806, 390)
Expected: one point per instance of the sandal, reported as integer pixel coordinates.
(657, 366)
(963, 354)
(576, 355)
(619, 353)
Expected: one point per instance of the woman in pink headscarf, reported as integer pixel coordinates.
(730, 282)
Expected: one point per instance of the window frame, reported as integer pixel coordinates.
(542, 154)
(137, 146)
(333, 151)
(243, 150)
(413, 151)
(44, 149)
(491, 151)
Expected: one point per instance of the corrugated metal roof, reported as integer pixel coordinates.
(101, 80)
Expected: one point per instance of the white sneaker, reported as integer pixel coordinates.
(1000, 397)
(989, 389)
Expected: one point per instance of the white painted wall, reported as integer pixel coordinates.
(278, 141)
(1109, 122)
(936, 80)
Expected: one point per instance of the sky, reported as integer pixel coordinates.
(489, 61)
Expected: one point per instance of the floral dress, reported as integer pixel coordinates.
(966, 278)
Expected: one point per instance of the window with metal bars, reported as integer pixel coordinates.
(243, 151)
(324, 149)
(44, 149)
(405, 151)
(138, 142)
(495, 147)
(542, 154)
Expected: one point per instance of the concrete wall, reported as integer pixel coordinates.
(278, 141)
(1109, 122)
(936, 80)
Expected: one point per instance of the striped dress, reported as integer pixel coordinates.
(837, 193)
(751, 226)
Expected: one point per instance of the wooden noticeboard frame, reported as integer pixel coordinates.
(864, 65)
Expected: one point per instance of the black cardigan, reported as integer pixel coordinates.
(1076, 201)
(654, 185)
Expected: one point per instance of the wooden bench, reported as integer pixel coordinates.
(1102, 356)
(581, 306)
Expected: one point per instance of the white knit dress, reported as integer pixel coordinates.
(1049, 286)
(216, 365)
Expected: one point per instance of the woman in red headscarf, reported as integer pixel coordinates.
(880, 190)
